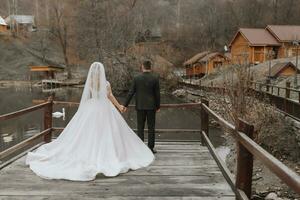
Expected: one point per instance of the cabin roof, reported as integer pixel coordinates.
(210, 56)
(2, 22)
(256, 37)
(20, 19)
(44, 68)
(284, 33)
(195, 58)
(277, 68)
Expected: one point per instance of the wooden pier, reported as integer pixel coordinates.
(182, 170)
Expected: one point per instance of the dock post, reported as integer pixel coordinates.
(287, 95)
(268, 85)
(48, 118)
(204, 120)
(287, 90)
(244, 161)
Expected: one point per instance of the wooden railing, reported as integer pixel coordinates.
(246, 147)
(286, 105)
(45, 134)
(275, 90)
(246, 150)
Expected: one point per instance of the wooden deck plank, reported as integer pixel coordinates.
(184, 171)
(76, 197)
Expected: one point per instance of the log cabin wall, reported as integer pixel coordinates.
(242, 51)
(201, 68)
(239, 47)
(288, 71)
(287, 50)
(3, 29)
(215, 63)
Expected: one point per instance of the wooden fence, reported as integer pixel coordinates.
(276, 90)
(285, 104)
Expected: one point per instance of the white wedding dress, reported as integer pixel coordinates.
(96, 140)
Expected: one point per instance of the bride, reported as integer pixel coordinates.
(96, 140)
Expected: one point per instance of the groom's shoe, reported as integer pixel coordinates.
(153, 151)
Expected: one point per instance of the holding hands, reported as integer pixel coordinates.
(122, 109)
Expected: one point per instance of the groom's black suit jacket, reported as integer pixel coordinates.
(146, 89)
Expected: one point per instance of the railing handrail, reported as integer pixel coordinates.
(288, 176)
(48, 122)
(275, 86)
(176, 105)
(23, 111)
(23, 144)
(46, 133)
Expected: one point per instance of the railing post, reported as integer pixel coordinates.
(48, 119)
(268, 85)
(272, 89)
(244, 161)
(204, 120)
(287, 89)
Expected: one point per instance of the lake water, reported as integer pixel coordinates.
(15, 130)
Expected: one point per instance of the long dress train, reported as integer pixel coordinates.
(96, 140)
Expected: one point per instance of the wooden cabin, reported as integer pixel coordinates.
(3, 25)
(283, 70)
(45, 72)
(204, 63)
(251, 45)
(21, 23)
(285, 35)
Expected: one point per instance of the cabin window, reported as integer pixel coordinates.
(217, 64)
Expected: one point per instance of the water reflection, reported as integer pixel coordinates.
(15, 130)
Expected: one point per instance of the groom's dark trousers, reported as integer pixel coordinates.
(146, 89)
(142, 116)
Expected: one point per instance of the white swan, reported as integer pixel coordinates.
(59, 114)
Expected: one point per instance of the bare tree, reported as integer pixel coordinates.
(238, 99)
(59, 28)
(109, 30)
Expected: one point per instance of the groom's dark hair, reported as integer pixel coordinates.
(147, 64)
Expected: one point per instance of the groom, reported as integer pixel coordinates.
(146, 89)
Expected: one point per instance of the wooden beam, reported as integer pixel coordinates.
(6, 163)
(23, 144)
(219, 119)
(222, 166)
(48, 119)
(288, 176)
(181, 105)
(244, 161)
(156, 130)
(23, 111)
(204, 119)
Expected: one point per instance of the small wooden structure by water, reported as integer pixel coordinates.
(181, 169)
(47, 71)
